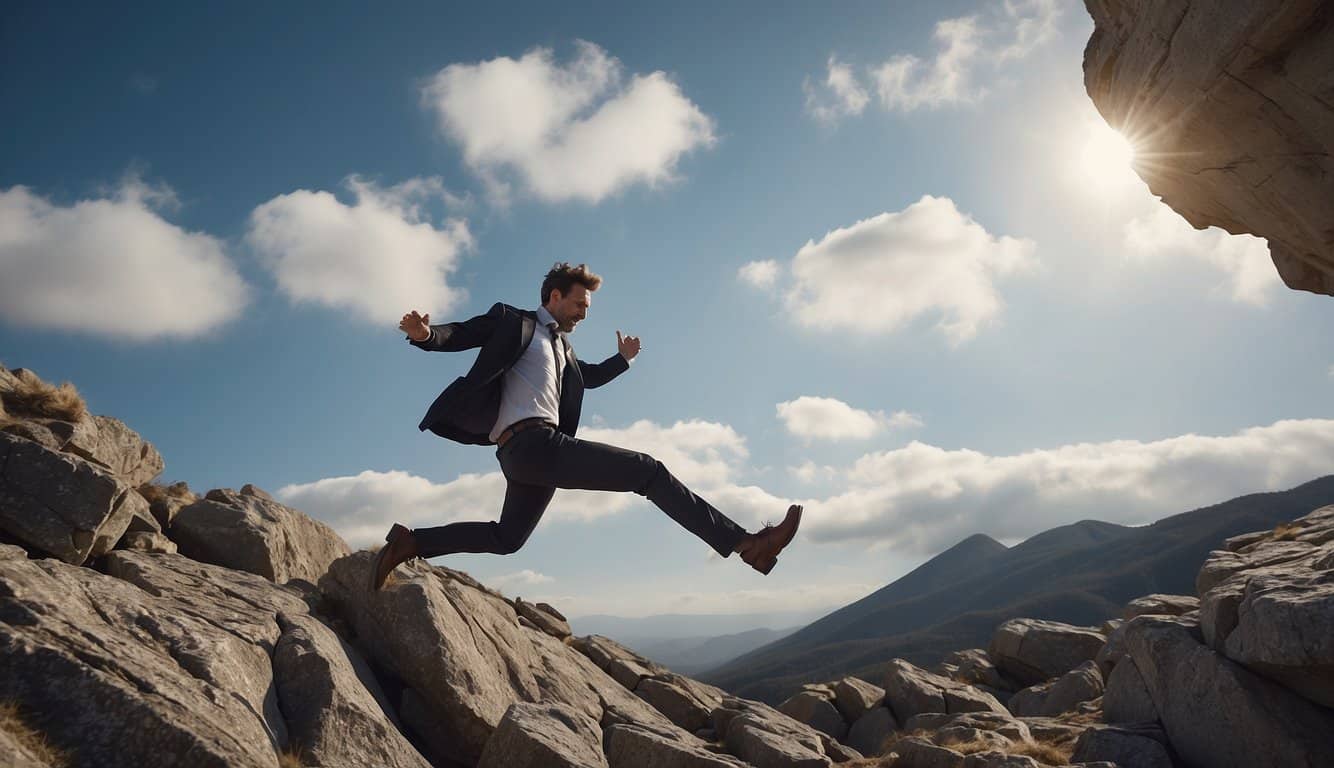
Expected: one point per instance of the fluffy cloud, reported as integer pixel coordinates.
(378, 257)
(1249, 274)
(826, 418)
(964, 46)
(576, 131)
(922, 498)
(883, 272)
(112, 266)
(518, 580)
(761, 274)
(362, 507)
(840, 96)
(701, 454)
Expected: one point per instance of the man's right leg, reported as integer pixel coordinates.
(524, 505)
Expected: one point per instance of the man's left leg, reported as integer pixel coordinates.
(561, 461)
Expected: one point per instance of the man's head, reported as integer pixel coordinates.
(565, 293)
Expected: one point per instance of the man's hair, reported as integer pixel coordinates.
(562, 277)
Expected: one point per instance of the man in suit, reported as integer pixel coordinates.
(523, 394)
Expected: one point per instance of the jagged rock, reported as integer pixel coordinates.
(634, 746)
(956, 735)
(1278, 619)
(1218, 713)
(869, 733)
(1083, 683)
(916, 752)
(911, 690)
(556, 627)
(117, 676)
(544, 736)
(111, 444)
(837, 751)
(974, 667)
(1030, 651)
(616, 660)
(1127, 698)
(459, 647)
(1050, 730)
(62, 504)
(816, 709)
(686, 702)
(855, 697)
(250, 533)
(145, 541)
(1222, 565)
(763, 736)
(1230, 104)
(1109, 626)
(1004, 724)
(1111, 651)
(332, 702)
(999, 759)
(1164, 605)
(165, 502)
(1140, 747)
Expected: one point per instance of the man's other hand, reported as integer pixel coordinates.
(417, 327)
(628, 346)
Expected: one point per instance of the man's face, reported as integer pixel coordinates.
(569, 308)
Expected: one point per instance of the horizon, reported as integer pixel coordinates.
(888, 263)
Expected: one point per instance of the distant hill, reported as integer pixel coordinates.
(690, 655)
(1081, 573)
(695, 627)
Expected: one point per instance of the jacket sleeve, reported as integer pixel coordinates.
(597, 374)
(454, 337)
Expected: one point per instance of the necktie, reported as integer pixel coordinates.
(556, 352)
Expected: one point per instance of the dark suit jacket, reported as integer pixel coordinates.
(467, 409)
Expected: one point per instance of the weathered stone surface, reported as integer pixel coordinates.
(111, 444)
(1164, 605)
(1083, 683)
(119, 677)
(146, 541)
(460, 647)
(1229, 104)
(634, 746)
(765, 737)
(1123, 746)
(1010, 727)
(855, 697)
(332, 702)
(1215, 711)
(685, 702)
(250, 533)
(1111, 651)
(165, 502)
(910, 690)
(999, 759)
(603, 651)
(1127, 699)
(1030, 651)
(974, 667)
(1051, 730)
(817, 710)
(544, 736)
(556, 627)
(921, 753)
(869, 733)
(60, 503)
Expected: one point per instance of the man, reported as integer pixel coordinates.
(523, 394)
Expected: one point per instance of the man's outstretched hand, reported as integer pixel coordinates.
(628, 346)
(417, 327)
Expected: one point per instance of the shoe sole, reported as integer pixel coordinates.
(394, 532)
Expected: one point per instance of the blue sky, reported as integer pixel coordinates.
(887, 262)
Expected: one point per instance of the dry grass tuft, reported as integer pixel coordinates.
(1286, 531)
(12, 723)
(155, 492)
(34, 398)
(291, 758)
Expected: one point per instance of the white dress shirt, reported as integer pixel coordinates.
(531, 387)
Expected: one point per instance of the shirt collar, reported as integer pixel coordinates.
(544, 317)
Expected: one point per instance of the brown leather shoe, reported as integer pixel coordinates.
(760, 549)
(400, 548)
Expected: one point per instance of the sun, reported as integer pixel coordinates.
(1105, 160)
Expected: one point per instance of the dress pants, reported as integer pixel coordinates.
(541, 459)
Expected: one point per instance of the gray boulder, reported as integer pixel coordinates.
(816, 709)
(765, 737)
(1163, 605)
(1031, 651)
(1083, 683)
(550, 622)
(112, 445)
(911, 690)
(1141, 747)
(687, 703)
(544, 736)
(634, 746)
(249, 532)
(869, 733)
(61, 504)
(855, 697)
(1127, 698)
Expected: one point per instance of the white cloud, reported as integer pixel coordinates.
(1250, 277)
(841, 96)
(565, 132)
(362, 507)
(883, 272)
(964, 46)
(378, 257)
(112, 266)
(809, 472)
(761, 274)
(922, 498)
(827, 418)
(518, 580)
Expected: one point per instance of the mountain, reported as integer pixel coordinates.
(1081, 574)
(687, 626)
(689, 655)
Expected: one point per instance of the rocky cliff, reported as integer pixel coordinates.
(1231, 108)
(142, 625)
